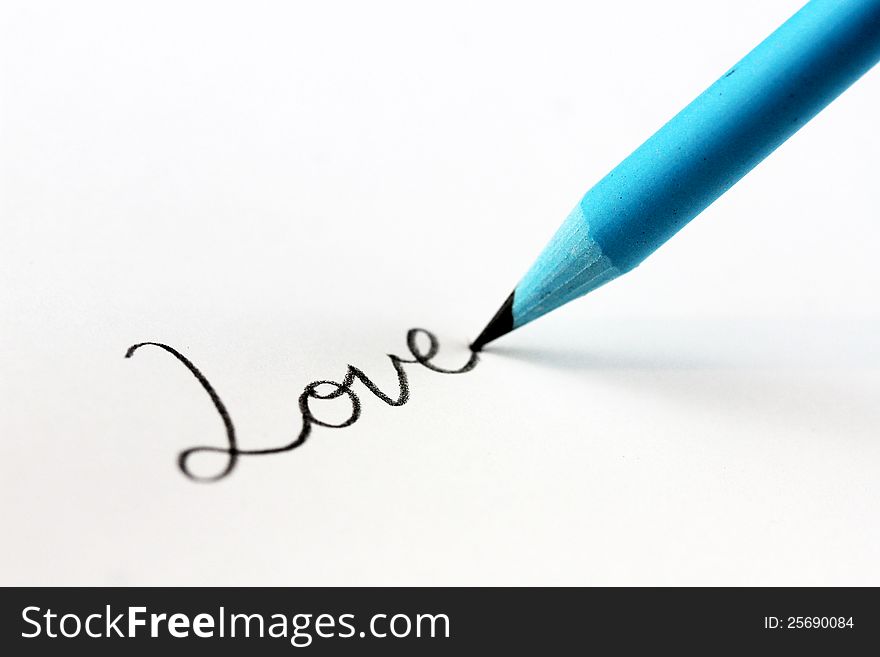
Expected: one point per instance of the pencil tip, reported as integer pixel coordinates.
(500, 324)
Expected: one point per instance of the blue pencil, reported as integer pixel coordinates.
(700, 154)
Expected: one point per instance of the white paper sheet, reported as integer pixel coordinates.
(279, 191)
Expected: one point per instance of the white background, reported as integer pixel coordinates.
(280, 189)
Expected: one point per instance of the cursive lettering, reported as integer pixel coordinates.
(314, 390)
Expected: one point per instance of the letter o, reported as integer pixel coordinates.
(394, 619)
(78, 625)
(339, 389)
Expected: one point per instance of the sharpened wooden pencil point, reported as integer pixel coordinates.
(500, 324)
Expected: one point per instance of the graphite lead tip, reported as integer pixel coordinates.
(500, 324)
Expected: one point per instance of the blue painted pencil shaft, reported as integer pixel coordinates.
(712, 143)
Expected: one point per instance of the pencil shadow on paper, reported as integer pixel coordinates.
(809, 375)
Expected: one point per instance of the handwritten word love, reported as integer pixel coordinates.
(337, 389)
